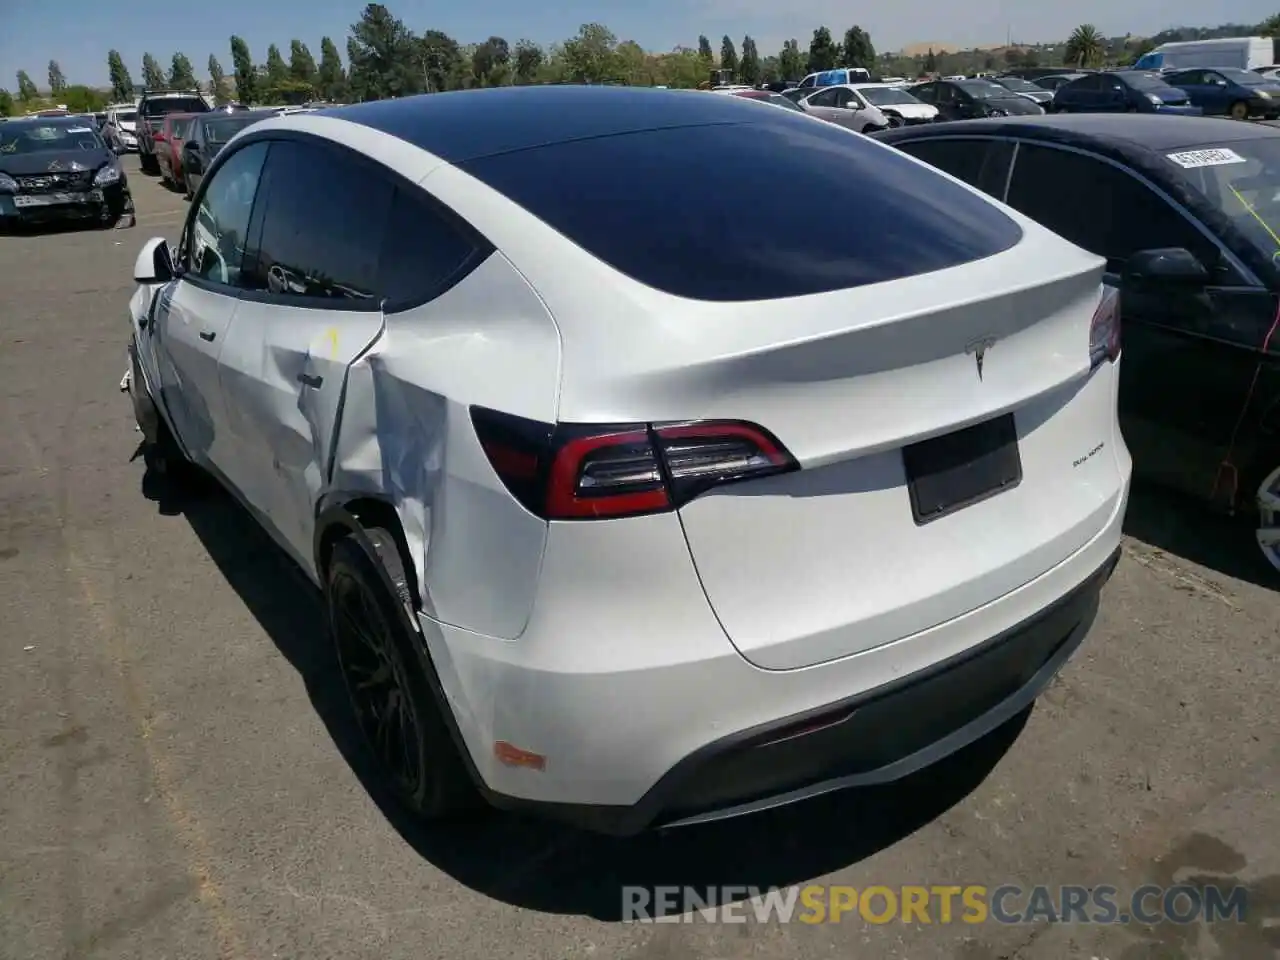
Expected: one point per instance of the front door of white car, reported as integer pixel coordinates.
(192, 315)
(310, 308)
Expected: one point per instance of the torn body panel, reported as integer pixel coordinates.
(283, 376)
(405, 437)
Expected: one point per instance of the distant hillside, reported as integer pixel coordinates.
(938, 46)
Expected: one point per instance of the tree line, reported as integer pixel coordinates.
(385, 58)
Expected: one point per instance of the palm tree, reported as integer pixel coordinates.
(1084, 46)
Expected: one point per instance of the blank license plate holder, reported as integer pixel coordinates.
(957, 470)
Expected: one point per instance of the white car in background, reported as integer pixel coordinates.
(622, 514)
(899, 107)
(124, 118)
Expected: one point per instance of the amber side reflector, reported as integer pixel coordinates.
(513, 756)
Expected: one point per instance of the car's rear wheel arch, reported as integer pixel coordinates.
(357, 516)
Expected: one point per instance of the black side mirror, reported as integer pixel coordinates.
(1166, 267)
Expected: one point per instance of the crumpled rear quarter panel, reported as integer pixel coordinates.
(406, 435)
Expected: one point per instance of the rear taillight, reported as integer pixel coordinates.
(596, 471)
(1104, 330)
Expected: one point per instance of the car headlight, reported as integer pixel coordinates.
(1264, 95)
(107, 175)
(1154, 99)
(997, 112)
(8, 184)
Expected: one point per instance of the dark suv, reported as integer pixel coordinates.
(154, 106)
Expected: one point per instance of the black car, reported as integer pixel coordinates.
(60, 169)
(209, 134)
(1028, 89)
(969, 99)
(154, 106)
(1186, 212)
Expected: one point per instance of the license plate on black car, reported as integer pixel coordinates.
(956, 470)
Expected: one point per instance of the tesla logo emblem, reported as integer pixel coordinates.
(55, 166)
(979, 350)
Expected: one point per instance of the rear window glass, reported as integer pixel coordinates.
(781, 207)
(158, 108)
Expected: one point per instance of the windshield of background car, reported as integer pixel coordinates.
(1246, 78)
(1019, 85)
(887, 96)
(982, 89)
(15, 139)
(166, 105)
(1241, 179)
(665, 207)
(1146, 82)
(224, 128)
(126, 116)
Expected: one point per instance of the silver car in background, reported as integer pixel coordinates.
(843, 105)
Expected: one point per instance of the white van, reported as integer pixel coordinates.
(1246, 53)
(830, 78)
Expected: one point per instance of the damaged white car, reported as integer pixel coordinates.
(631, 504)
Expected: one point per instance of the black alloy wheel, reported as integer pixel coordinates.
(394, 708)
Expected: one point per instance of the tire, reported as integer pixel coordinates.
(148, 163)
(1238, 110)
(380, 663)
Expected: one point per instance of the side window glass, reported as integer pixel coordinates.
(827, 98)
(1100, 207)
(421, 251)
(215, 241)
(808, 82)
(323, 220)
(843, 97)
(963, 159)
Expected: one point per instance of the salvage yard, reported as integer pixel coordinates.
(178, 779)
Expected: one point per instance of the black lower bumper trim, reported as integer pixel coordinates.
(874, 737)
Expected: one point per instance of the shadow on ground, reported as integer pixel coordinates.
(545, 866)
(1187, 528)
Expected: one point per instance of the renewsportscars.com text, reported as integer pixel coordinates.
(938, 904)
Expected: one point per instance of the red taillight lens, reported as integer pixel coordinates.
(582, 472)
(1104, 330)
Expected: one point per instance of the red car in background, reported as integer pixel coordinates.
(169, 140)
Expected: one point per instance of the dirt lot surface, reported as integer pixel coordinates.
(178, 780)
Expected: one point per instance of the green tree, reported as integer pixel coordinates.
(857, 50)
(790, 61)
(442, 60)
(823, 53)
(182, 76)
(1084, 46)
(931, 62)
(82, 99)
(529, 59)
(246, 75)
(6, 103)
(121, 82)
(57, 82)
(704, 48)
(302, 66)
(591, 56)
(749, 65)
(27, 90)
(277, 72)
(770, 69)
(384, 56)
(152, 75)
(728, 56)
(331, 79)
(489, 62)
(217, 81)
(1269, 27)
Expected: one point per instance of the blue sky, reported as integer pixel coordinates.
(78, 33)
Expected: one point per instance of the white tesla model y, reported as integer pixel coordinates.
(660, 457)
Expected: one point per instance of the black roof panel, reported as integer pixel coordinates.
(468, 124)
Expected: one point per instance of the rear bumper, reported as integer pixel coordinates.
(874, 737)
(648, 717)
(1180, 111)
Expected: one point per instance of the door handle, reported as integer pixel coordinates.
(208, 335)
(307, 380)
